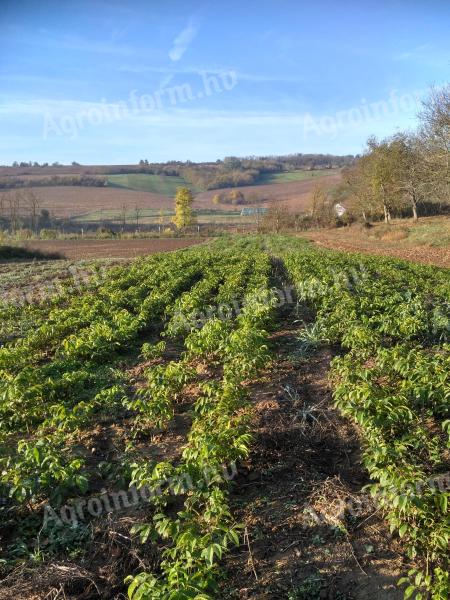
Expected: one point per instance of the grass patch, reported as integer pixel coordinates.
(165, 185)
(389, 233)
(150, 216)
(424, 233)
(288, 176)
(431, 234)
(97, 216)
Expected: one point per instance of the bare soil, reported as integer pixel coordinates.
(70, 201)
(93, 249)
(311, 532)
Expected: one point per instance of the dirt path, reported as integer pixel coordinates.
(312, 534)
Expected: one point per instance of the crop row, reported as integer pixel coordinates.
(63, 375)
(65, 368)
(391, 321)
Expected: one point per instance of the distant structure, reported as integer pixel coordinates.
(339, 209)
(252, 211)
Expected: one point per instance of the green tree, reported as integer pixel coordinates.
(183, 208)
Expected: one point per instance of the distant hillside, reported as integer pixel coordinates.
(163, 178)
(156, 184)
(92, 203)
(295, 194)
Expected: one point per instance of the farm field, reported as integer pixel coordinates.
(293, 194)
(165, 185)
(300, 175)
(60, 170)
(33, 279)
(101, 249)
(83, 203)
(251, 418)
(73, 201)
(164, 217)
(427, 241)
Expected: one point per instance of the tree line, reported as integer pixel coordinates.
(20, 208)
(234, 172)
(406, 172)
(9, 183)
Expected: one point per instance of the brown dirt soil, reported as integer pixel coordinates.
(92, 249)
(70, 201)
(311, 532)
(350, 239)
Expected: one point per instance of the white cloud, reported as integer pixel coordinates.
(184, 39)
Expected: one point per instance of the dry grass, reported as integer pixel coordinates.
(427, 241)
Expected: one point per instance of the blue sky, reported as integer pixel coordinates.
(111, 81)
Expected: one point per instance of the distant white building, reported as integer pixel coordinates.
(250, 211)
(339, 209)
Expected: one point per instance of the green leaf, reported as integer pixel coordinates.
(402, 530)
(208, 554)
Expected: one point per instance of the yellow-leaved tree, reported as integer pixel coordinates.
(183, 208)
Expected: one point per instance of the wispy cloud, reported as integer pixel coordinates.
(168, 117)
(184, 39)
(211, 70)
(413, 53)
(427, 55)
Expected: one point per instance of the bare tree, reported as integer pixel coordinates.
(382, 177)
(356, 191)
(408, 155)
(2, 206)
(31, 204)
(123, 216)
(14, 210)
(435, 132)
(321, 207)
(160, 221)
(137, 214)
(276, 219)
